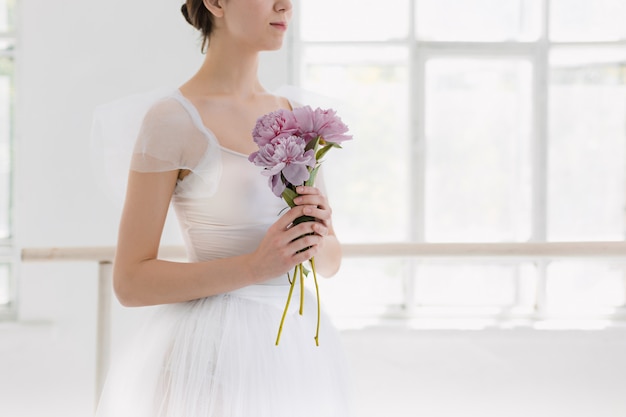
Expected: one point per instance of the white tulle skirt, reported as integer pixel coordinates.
(216, 357)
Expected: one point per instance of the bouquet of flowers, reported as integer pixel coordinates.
(291, 147)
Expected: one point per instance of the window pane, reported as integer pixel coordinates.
(365, 287)
(6, 296)
(368, 180)
(439, 284)
(7, 15)
(478, 20)
(579, 287)
(585, 20)
(6, 81)
(477, 150)
(587, 131)
(354, 20)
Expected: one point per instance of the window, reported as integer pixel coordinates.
(7, 252)
(475, 121)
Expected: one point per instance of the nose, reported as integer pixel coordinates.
(283, 6)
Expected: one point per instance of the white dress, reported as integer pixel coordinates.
(216, 356)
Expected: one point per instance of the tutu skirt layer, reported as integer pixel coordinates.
(216, 357)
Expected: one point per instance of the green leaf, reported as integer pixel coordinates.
(320, 154)
(313, 144)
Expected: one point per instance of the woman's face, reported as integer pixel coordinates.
(258, 24)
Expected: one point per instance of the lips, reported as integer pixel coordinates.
(279, 25)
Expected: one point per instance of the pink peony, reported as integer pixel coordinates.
(284, 158)
(283, 137)
(318, 122)
(277, 124)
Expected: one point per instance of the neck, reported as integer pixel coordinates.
(228, 70)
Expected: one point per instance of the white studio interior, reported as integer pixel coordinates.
(481, 204)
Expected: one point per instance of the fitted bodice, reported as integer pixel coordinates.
(232, 220)
(224, 205)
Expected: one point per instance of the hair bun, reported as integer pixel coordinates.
(185, 13)
(198, 16)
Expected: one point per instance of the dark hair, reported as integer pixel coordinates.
(198, 16)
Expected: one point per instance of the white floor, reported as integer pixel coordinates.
(47, 371)
(489, 373)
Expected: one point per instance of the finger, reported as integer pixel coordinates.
(320, 229)
(312, 200)
(305, 190)
(287, 219)
(321, 216)
(318, 212)
(304, 229)
(305, 247)
(287, 228)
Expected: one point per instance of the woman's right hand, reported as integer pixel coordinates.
(285, 245)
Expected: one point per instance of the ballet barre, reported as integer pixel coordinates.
(104, 256)
(609, 249)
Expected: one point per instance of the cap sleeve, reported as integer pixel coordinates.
(171, 138)
(168, 140)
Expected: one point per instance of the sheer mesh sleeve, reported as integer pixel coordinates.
(153, 131)
(168, 140)
(171, 138)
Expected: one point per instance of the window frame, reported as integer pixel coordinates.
(537, 53)
(9, 255)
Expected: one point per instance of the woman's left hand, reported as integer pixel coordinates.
(315, 205)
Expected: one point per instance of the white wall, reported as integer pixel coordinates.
(76, 54)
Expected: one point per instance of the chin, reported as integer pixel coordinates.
(273, 47)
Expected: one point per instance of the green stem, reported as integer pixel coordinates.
(317, 292)
(301, 290)
(282, 320)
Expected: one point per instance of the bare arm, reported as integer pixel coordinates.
(140, 278)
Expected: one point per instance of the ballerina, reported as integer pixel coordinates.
(208, 350)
